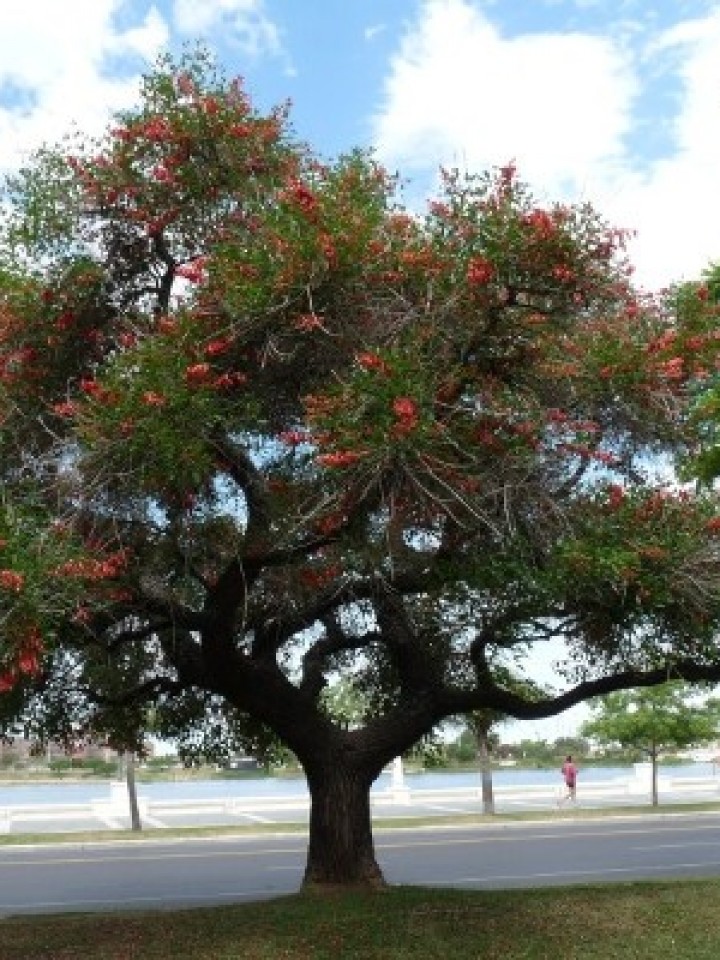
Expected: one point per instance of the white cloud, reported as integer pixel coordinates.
(676, 202)
(56, 54)
(561, 104)
(558, 104)
(249, 24)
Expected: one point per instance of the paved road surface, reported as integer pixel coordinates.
(200, 872)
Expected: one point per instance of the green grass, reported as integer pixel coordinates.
(642, 921)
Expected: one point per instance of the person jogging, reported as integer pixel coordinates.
(569, 774)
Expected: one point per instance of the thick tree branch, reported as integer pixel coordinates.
(316, 658)
(243, 471)
(494, 697)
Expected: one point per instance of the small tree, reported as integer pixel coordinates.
(482, 724)
(653, 720)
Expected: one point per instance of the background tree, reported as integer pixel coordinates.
(662, 718)
(262, 429)
(484, 724)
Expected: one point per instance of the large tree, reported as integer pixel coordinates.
(262, 428)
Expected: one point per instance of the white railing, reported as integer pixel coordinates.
(113, 810)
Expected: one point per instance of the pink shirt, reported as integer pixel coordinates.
(569, 771)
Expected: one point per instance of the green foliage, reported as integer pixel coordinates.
(665, 717)
(289, 468)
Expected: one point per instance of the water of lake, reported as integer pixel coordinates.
(21, 794)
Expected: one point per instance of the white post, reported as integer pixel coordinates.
(641, 781)
(398, 787)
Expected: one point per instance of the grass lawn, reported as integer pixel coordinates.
(642, 921)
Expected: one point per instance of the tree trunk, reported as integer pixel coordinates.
(341, 849)
(654, 758)
(135, 822)
(488, 797)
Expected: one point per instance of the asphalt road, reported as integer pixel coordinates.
(151, 875)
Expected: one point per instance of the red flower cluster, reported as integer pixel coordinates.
(308, 322)
(90, 568)
(299, 194)
(11, 581)
(65, 409)
(293, 438)
(197, 374)
(217, 347)
(194, 271)
(371, 361)
(27, 660)
(406, 415)
(541, 222)
(479, 272)
(228, 381)
(341, 458)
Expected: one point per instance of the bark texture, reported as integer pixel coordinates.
(341, 849)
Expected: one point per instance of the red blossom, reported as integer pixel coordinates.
(665, 340)
(480, 271)
(301, 195)
(217, 347)
(293, 438)
(210, 105)
(673, 369)
(563, 273)
(371, 361)
(12, 581)
(152, 399)
(197, 373)
(328, 249)
(29, 662)
(341, 458)
(91, 387)
(162, 174)
(167, 325)
(194, 271)
(307, 322)
(227, 381)
(616, 496)
(541, 222)
(65, 409)
(91, 568)
(157, 130)
(405, 408)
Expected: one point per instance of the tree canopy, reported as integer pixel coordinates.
(666, 717)
(263, 428)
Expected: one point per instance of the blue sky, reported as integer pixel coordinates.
(612, 101)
